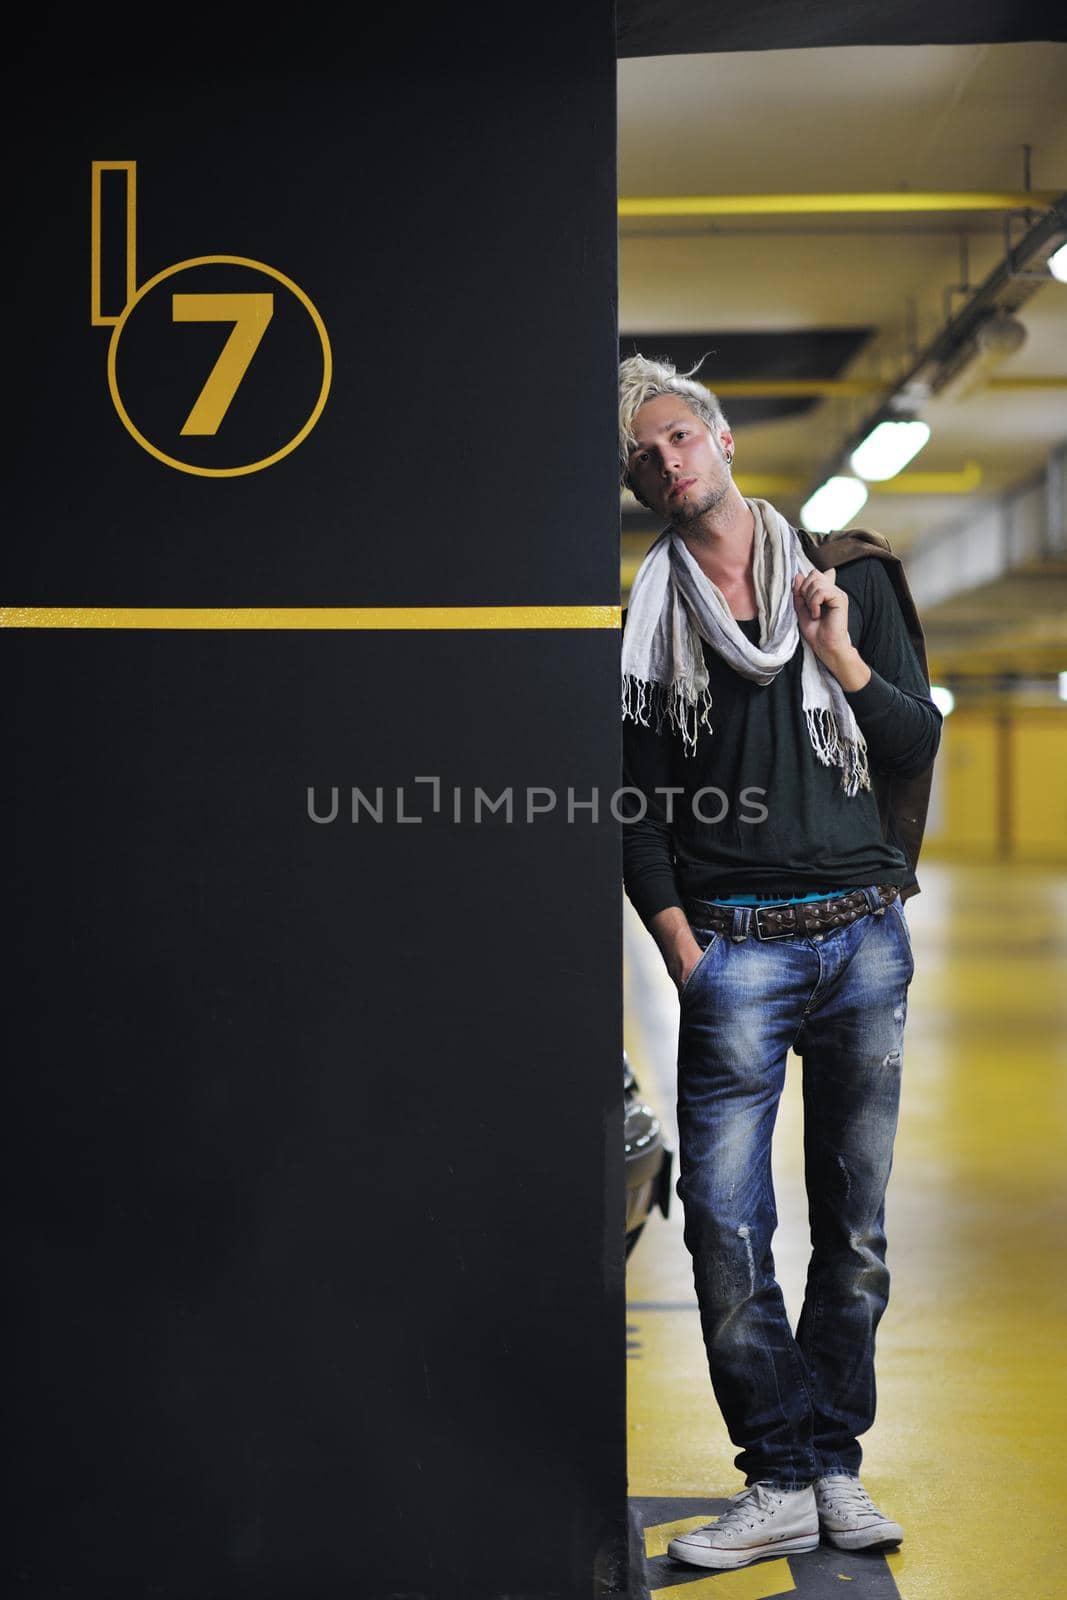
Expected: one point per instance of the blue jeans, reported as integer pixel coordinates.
(794, 1404)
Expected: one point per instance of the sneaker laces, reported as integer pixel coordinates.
(747, 1509)
(849, 1495)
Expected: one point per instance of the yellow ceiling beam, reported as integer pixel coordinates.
(965, 481)
(768, 485)
(846, 388)
(793, 388)
(765, 485)
(773, 205)
(1026, 383)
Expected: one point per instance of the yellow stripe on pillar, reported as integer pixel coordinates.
(327, 618)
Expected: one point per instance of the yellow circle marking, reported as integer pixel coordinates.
(251, 466)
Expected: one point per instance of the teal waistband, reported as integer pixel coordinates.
(777, 900)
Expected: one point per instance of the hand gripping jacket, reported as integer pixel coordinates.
(902, 802)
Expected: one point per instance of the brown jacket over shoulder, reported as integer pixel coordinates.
(902, 802)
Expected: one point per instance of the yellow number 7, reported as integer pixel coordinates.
(249, 314)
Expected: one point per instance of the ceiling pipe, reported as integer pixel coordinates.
(1010, 284)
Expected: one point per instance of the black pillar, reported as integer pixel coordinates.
(317, 1138)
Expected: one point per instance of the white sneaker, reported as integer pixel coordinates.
(848, 1516)
(760, 1521)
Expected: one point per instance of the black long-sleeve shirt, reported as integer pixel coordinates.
(776, 820)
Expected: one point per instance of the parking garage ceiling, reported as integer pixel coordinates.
(851, 295)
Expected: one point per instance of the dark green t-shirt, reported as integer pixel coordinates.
(774, 820)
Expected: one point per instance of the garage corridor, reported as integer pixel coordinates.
(966, 1450)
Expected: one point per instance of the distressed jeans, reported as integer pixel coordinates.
(794, 1404)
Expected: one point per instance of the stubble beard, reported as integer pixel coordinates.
(687, 514)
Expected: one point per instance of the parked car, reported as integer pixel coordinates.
(649, 1159)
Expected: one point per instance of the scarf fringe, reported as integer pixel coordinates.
(674, 704)
(833, 751)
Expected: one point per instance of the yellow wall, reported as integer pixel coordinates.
(1039, 786)
(963, 810)
(1000, 787)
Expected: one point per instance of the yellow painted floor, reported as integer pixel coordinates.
(968, 1448)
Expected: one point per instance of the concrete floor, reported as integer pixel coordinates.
(972, 1417)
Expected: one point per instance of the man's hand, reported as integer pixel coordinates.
(822, 616)
(680, 951)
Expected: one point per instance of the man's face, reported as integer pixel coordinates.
(679, 467)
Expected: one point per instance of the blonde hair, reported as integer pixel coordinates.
(642, 380)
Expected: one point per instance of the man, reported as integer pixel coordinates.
(775, 714)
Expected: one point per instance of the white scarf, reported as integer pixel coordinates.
(674, 605)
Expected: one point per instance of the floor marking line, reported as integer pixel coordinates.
(659, 1536)
(763, 1581)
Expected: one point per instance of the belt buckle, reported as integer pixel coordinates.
(783, 933)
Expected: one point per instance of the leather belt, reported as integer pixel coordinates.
(790, 917)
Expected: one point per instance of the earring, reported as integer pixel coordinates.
(729, 461)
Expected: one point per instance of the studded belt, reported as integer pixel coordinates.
(790, 917)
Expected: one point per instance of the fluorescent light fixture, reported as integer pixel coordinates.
(943, 699)
(1057, 264)
(834, 504)
(888, 448)
(1061, 685)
